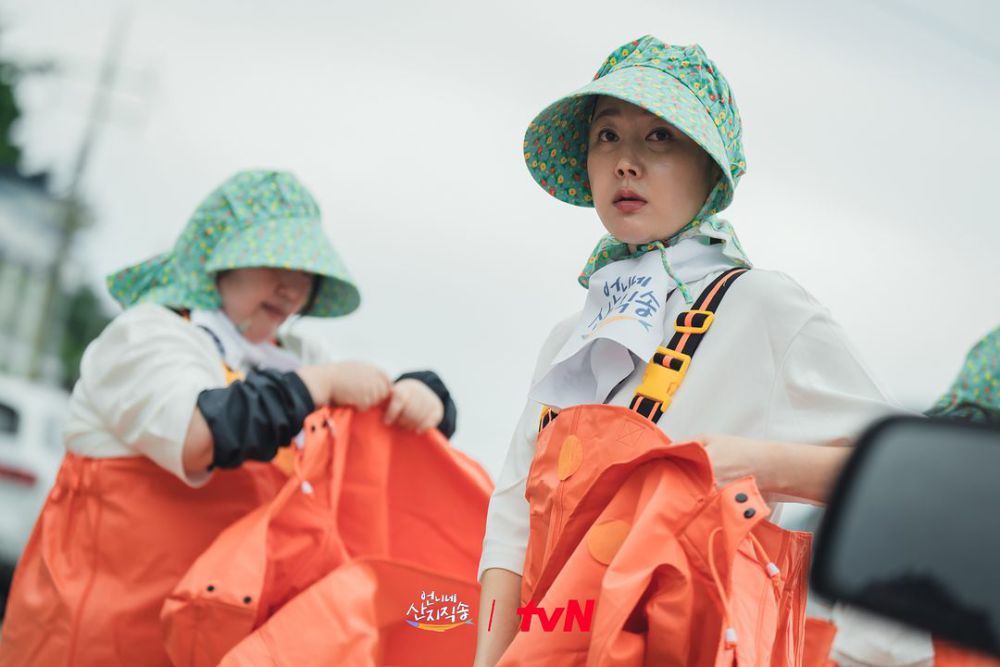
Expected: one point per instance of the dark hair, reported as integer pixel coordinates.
(313, 293)
(714, 171)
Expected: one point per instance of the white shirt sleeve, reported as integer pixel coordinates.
(508, 517)
(507, 521)
(822, 390)
(139, 384)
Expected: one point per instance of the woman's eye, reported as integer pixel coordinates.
(659, 134)
(607, 135)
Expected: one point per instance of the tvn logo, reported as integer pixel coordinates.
(549, 621)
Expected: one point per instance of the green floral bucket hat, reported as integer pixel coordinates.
(677, 83)
(975, 393)
(255, 219)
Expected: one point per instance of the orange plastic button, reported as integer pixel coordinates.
(606, 538)
(570, 456)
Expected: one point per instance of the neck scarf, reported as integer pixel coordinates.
(239, 353)
(705, 229)
(624, 318)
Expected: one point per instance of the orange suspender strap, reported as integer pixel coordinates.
(666, 370)
(231, 375)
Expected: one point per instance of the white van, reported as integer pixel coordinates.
(32, 417)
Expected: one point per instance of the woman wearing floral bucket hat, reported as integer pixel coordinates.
(654, 143)
(179, 422)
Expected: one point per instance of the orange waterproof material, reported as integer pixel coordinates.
(949, 655)
(819, 641)
(623, 516)
(355, 616)
(372, 518)
(113, 539)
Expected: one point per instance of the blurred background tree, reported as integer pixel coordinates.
(10, 155)
(86, 316)
(79, 313)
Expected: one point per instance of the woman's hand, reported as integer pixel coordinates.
(414, 406)
(358, 384)
(350, 383)
(791, 469)
(733, 457)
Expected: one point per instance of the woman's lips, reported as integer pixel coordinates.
(629, 205)
(628, 201)
(274, 312)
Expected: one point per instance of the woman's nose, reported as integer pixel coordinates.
(628, 166)
(291, 291)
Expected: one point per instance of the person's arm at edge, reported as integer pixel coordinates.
(499, 584)
(499, 600)
(807, 472)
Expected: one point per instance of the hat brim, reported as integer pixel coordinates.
(307, 249)
(160, 280)
(555, 145)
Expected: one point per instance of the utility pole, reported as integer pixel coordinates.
(50, 331)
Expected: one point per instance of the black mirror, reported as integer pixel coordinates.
(912, 531)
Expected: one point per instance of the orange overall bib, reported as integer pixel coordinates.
(677, 572)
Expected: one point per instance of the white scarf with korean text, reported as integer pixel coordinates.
(622, 322)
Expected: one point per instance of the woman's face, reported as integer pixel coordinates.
(258, 300)
(648, 179)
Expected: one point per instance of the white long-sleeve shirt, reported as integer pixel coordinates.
(139, 383)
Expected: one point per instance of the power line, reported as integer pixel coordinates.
(52, 316)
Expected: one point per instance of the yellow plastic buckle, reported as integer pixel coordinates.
(659, 383)
(702, 328)
(546, 412)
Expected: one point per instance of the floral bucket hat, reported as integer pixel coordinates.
(255, 219)
(677, 83)
(975, 393)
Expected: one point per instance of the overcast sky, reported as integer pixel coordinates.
(870, 130)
